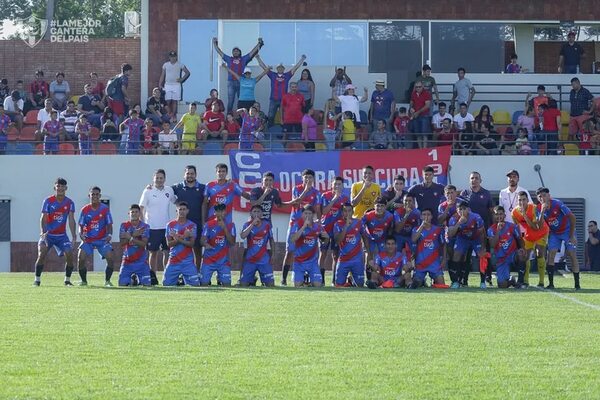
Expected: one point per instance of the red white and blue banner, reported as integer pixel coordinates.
(247, 168)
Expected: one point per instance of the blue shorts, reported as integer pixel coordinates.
(357, 268)
(102, 246)
(223, 273)
(50, 145)
(264, 270)
(312, 267)
(434, 270)
(555, 241)
(141, 269)
(463, 245)
(61, 243)
(85, 147)
(503, 272)
(187, 269)
(132, 148)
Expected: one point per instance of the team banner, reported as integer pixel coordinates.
(247, 168)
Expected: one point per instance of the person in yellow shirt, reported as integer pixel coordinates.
(536, 230)
(347, 128)
(364, 193)
(190, 121)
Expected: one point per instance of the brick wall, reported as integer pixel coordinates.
(76, 60)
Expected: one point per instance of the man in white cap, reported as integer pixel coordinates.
(383, 105)
(171, 78)
(509, 196)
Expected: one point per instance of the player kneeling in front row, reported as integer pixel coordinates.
(509, 249)
(348, 233)
(181, 235)
(430, 253)
(305, 234)
(217, 238)
(390, 268)
(258, 255)
(134, 235)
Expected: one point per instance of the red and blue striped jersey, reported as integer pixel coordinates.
(430, 245)
(53, 128)
(57, 214)
(470, 229)
(377, 228)
(236, 64)
(335, 212)
(279, 84)
(351, 246)
(557, 217)
(179, 253)
(307, 245)
(135, 129)
(256, 243)
(132, 253)
(507, 241)
(215, 236)
(312, 198)
(390, 267)
(95, 222)
(222, 194)
(4, 123)
(451, 212)
(413, 220)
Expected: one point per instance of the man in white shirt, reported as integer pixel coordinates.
(167, 139)
(171, 80)
(13, 107)
(441, 115)
(509, 196)
(154, 205)
(43, 116)
(462, 117)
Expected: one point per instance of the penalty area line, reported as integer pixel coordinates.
(573, 299)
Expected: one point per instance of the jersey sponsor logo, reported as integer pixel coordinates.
(428, 244)
(505, 245)
(309, 241)
(220, 199)
(553, 222)
(258, 242)
(220, 240)
(351, 239)
(94, 225)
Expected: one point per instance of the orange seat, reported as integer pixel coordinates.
(258, 147)
(39, 149)
(12, 134)
(66, 149)
(320, 135)
(28, 133)
(230, 146)
(31, 117)
(106, 148)
(94, 134)
(294, 147)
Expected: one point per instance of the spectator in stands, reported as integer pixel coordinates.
(51, 131)
(420, 103)
(541, 98)
(463, 91)
(446, 135)
(551, 124)
(38, 91)
(401, 127)
(133, 125)
(137, 107)
(213, 125)
(4, 89)
(43, 116)
(595, 139)
(581, 107)
(13, 107)
(149, 137)
(59, 92)
(381, 138)
(522, 142)
(585, 137)
(190, 121)
(232, 126)
(348, 129)
(82, 131)
(438, 117)
(306, 87)
(292, 106)
(120, 98)
(236, 62)
(249, 129)
(484, 122)
(338, 83)
(429, 84)
(330, 124)
(167, 140)
(279, 84)
(247, 85)
(569, 59)
(592, 247)
(383, 105)
(156, 108)
(527, 121)
(5, 123)
(70, 117)
(309, 129)
(514, 67)
(213, 97)
(349, 101)
(264, 120)
(171, 80)
(485, 141)
(97, 86)
(109, 123)
(22, 95)
(466, 139)
(91, 105)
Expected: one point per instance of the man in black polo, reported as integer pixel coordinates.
(266, 196)
(192, 192)
(569, 59)
(428, 194)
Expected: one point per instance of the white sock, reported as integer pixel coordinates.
(37, 279)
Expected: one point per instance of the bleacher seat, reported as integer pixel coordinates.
(31, 117)
(106, 148)
(275, 147)
(212, 148)
(66, 149)
(276, 131)
(24, 148)
(230, 146)
(320, 147)
(39, 149)
(501, 117)
(564, 133)
(515, 116)
(564, 118)
(28, 133)
(75, 99)
(258, 147)
(12, 134)
(571, 149)
(294, 147)
(94, 133)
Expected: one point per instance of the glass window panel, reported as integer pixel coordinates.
(349, 43)
(279, 38)
(314, 40)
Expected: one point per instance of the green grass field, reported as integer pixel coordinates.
(156, 343)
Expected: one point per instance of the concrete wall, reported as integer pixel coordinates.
(29, 179)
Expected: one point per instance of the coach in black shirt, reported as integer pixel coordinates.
(479, 198)
(428, 194)
(569, 60)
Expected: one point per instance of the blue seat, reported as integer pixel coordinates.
(212, 148)
(275, 147)
(25, 148)
(515, 116)
(275, 132)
